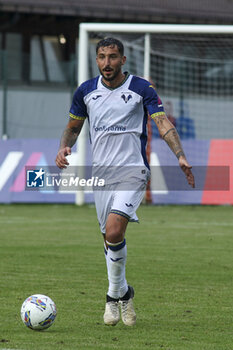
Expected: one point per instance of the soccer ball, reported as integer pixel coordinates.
(38, 312)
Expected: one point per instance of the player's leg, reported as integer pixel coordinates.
(114, 210)
(117, 255)
(103, 203)
(124, 208)
(116, 252)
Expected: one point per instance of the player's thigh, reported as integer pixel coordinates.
(126, 203)
(103, 203)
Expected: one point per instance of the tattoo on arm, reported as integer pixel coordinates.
(172, 139)
(168, 132)
(159, 120)
(69, 137)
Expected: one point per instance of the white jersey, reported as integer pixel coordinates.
(117, 120)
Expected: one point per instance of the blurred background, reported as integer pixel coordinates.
(38, 76)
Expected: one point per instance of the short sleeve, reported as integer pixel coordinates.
(152, 101)
(78, 108)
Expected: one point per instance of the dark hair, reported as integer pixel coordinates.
(110, 42)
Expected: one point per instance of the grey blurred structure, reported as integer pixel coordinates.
(149, 11)
(39, 49)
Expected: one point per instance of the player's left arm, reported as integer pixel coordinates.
(170, 135)
(166, 129)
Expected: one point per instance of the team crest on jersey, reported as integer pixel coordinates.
(126, 98)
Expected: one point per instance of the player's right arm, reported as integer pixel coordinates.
(78, 114)
(68, 139)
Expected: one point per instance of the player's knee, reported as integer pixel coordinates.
(115, 228)
(114, 235)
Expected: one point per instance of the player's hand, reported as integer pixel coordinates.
(61, 160)
(187, 170)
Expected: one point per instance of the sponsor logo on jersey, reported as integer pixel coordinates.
(110, 128)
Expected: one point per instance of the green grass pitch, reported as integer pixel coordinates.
(180, 262)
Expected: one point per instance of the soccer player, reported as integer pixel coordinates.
(116, 105)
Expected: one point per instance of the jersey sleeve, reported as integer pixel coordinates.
(152, 102)
(78, 108)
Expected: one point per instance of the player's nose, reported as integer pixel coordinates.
(107, 62)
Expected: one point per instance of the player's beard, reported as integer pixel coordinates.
(115, 72)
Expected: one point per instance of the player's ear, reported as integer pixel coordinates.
(123, 60)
